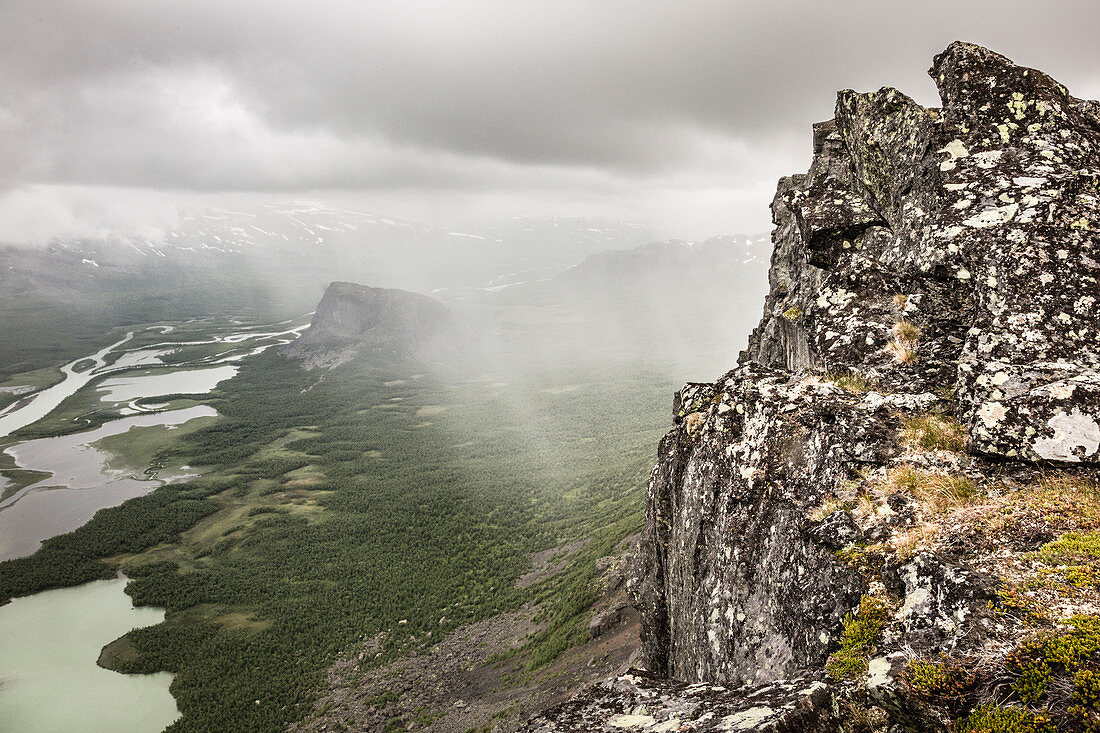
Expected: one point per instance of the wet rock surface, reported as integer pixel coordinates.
(889, 495)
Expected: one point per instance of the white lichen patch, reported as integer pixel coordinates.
(917, 601)
(1017, 105)
(993, 216)
(834, 299)
(631, 721)
(987, 159)
(991, 414)
(1076, 436)
(746, 718)
(1061, 390)
(878, 673)
(956, 149)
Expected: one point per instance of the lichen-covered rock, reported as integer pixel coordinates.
(937, 600)
(734, 588)
(989, 213)
(898, 484)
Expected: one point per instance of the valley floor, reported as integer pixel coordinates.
(374, 507)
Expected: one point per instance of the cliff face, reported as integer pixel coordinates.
(353, 318)
(883, 517)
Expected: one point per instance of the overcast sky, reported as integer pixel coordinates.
(681, 113)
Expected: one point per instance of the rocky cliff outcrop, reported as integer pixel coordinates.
(886, 517)
(352, 319)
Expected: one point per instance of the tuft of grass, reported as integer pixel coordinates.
(906, 478)
(934, 432)
(907, 332)
(1061, 502)
(907, 544)
(693, 422)
(945, 392)
(827, 508)
(903, 342)
(902, 353)
(1082, 488)
(851, 381)
(901, 300)
(952, 490)
(862, 631)
(793, 313)
(943, 490)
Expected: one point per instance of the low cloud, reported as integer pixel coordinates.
(670, 104)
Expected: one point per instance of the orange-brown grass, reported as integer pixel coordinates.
(1058, 503)
(908, 543)
(903, 342)
(907, 332)
(934, 432)
(1041, 538)
(941, 490)
(901, 353)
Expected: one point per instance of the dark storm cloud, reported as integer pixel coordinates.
(244, 95)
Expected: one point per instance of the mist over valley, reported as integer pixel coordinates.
(519, 367)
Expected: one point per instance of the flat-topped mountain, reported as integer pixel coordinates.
(352, 319)
(885, 518)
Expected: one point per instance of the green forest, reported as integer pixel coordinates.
(335, 505)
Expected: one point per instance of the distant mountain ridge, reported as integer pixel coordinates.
(718, 256)
(673, 298)
(305, 245)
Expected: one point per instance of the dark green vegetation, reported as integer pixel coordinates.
(994, 719)
(18, 386)
(942, 682)
(342, 506)
(862, 632)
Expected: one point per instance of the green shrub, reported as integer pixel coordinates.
(1039, 656)
(1085, 711)
(862, 631)
(997, 719)
(942, 682)
(1071, 545)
